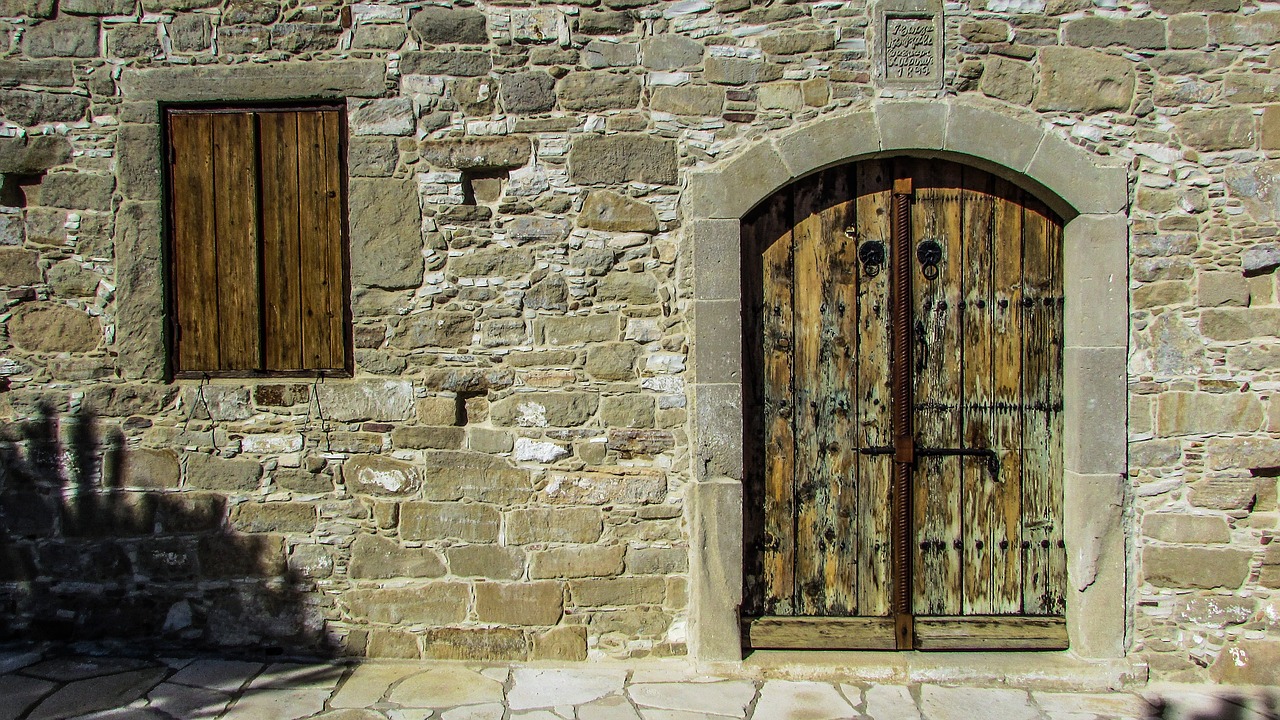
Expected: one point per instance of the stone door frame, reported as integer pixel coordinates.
(1090, 196)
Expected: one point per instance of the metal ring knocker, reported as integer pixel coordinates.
(871, 255)
(929, 253)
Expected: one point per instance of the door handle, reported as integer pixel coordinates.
(993, 460)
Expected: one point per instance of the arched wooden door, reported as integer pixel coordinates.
(903, 322)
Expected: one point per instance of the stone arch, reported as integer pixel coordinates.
(1091, 197)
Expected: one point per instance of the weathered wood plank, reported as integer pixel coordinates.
(195, 251)
(826, 633)
(1041, 593)
(281, 254)
(320, 241)
(1006, 431)
(991, 633)
(874, 401)
(938, 580)
(235, 174)
(336, 288)
(825, 302)
(980, 488)
(769, 268)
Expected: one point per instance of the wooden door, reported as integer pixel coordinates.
(903, 335)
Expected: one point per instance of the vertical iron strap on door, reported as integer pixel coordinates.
(903, 430)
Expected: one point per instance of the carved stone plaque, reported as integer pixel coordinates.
(909, 43)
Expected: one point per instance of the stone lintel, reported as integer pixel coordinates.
(254, 81)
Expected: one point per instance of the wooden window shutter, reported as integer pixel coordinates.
(258, 263)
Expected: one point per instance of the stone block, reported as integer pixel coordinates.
(716, 259)
(380, 476)
(138, 161)
(798, 43)
(236, 556)
(1254, 185)
(67, 36)
(471, 522)
(1248, 662)
(738, 185)
(1233, 324)
(1079, 178)
(565, 644)
(28, 108)
(30, 8)
(1217, 289)
(51, 327)
(1270, 128)
(1175, 7)
(487, 561)
(278, 517)
(1189, 413)
(569, 525)
(257, 81)
(613, 159)
(576, 562)
(1183, 528)
(602, 54)
(121, 514)
(420, 438)
(378, 37)
(601, 486)
(504, 644)
(374, 557)
(618, 592)
(715, 569)
(304, 37)
(434, 330)
(534, 603)
(1007, 79)
(1079, 80)
(527, 92)
(1095, 256)
(378, 400)
(393, 644)
(717, 344)
(1249, 30)
(552, 409)
(46, 73)
(912, 125)
(611, 212)
(133, 41)
(740, 71)
(669, 51)
(28, 155)
(718, 417)
(1243, 453)
(19, 267)
(372, 157)
(386, 233)
(1181, 567)
(478, 153)
(390, 116)
(210, 472)
(189, 512)
(190, 32)
(302, 481)
(445, 62)
(1095, 31)
(79, 191)
(627, 411)
(784, 95)
(657, 561)
(431, 603)
(1217, 492)
(459, 475)
(1217, 129)
(613, 361)
(437, 25)
(143, 468)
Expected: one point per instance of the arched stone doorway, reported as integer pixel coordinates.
(1091, 199)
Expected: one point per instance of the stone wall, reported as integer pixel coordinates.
(504, 475)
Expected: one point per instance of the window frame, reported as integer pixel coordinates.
(172, 371)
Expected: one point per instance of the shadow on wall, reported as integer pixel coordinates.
(86, 557)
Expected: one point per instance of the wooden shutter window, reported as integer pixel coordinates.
(257, 257)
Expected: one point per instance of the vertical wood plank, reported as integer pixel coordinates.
(873, 425)
(768, 287)
(319, 200)
(979, 485)
(1041, 353)
(824, 490)
(195, 257)
(235, 176)
(1006, 430)
(938, 582)
(282, 284)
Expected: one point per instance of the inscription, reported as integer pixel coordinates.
(909, 48)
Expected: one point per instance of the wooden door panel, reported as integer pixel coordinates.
(985, 330)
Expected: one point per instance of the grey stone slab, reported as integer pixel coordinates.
(791, 700)
(1095, 409)
(446, 687)
(20, 693)
(1078, 178)
(1096, 280)
(189, 703)
(277, 704)
(297, 675)
(81, 668)
(912, 125)
(717, 258)
(718, 413)
(10, 661)
(891, 702)
(223, 675)
(729, 698)
(717, 345)
(993, 136)
(266, 81)
(536, 688)
(828, 142)
(939, 703)
(737, 186)
(98, 693)
(715, 569)
(370, 682)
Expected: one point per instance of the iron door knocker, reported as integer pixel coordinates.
(871, 255)
(929, 253)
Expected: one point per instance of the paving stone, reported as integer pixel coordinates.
(69, 669)
(97, 693)
(277, 704)
(224, 675)
(20, 693)
(939, 703)
(488, 711)
(787, 700)
(182, 701)
(351, 714)
(723, 698)
(447, 687)
(1112, 704)
(548, 688)
(298, 675)
(614, 707)
(891, 702)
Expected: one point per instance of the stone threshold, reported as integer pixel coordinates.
(1029, 670)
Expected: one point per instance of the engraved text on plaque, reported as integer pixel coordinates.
(909, 49)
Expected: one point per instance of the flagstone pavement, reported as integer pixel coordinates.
(34, 687)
